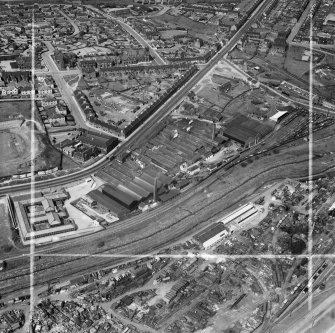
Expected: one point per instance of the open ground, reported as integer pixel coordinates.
(10, 110)
(16, 152)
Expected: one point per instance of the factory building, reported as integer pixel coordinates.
(103, 142)
(123, 198)
(217, 231)
(211, 235)
(103, 201)
(240, 215)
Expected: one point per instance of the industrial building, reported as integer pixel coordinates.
(130, 179)
(215, 232)
(211, 235)
(123, 198)
(39, 216)
(103, 142)
(180, 285)
(240, 215)
(278, 116)
(105, 202)
(245, 130)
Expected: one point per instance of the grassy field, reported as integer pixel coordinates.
(15, 109)
(186, 23)
(293, 65)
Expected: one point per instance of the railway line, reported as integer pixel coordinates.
(153, 241)
(48, 269)
(146, 128)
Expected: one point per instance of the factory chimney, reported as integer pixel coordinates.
(155, 190)
(213, 131)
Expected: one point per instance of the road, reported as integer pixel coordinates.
(76, 28)
(63, 87)
(315, 46)
(60, 72)
(65, 90)
(301, 21)
(159, 60)
(146, 128)
(286, 98)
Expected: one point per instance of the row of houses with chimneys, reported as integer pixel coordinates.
(25, 90)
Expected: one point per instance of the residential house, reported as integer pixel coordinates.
(26, 91)
(61, 109)
(49, 101)
(10, 90)
(44, 90)
(57, 120)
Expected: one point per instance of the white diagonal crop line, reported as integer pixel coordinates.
(32, 167)
(310, 168)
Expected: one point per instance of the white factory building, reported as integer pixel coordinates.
(219, 230)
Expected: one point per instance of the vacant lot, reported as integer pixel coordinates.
(17, 152)
(186, 23)
(252, 102)
(15, 110)
(14, 150)
(213, 96)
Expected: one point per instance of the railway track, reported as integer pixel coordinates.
(168, 234)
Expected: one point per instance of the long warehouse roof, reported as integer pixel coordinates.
(117, 194)
(107, 202)
(210, 232)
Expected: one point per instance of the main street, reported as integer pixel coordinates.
(63, 87)
(146, 128)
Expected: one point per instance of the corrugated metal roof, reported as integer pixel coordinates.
(117, 194)
(142, 183)
(209, 232)
(107, 202)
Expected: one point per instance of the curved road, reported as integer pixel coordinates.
(145, 129)
(134, 33)
(76, 28)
